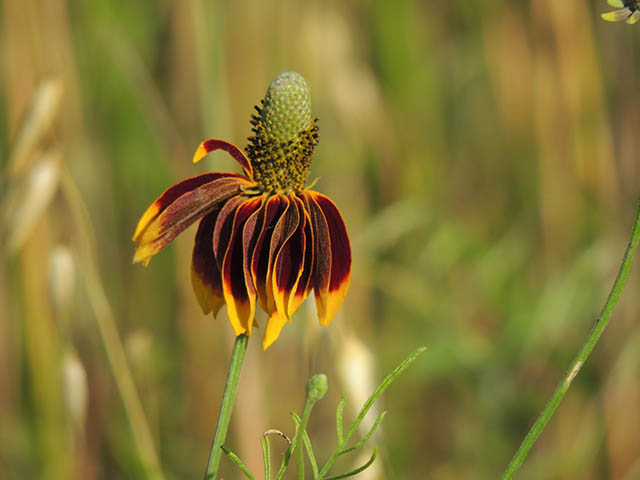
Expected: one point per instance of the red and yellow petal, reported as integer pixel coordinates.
(330, 298)
(289, 257)
(239, 296)
(179, 207)
(205, 275)
(224, 228)
(321, 274)
(210, 145)
(262, 258)
(169, 196)
(250, 234)
(172, 194)
(303, 284)
(285, 227)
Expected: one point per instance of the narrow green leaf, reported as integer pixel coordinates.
(300, 463)
(266, 456)
(366, 407)
(381, 388)
(307, 445)
(316, 389)
(339, 412)
(367, 436)
(238, 463)
(286, 457)
(357, 470)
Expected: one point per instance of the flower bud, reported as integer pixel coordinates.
(317, 387)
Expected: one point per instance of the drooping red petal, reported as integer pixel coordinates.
(292, 272)
(340, 258)
(205, 274)
(179, 207)
(286, 257)
(172, 193)
(321, 274)
(284, 228)
(223, 229)
(239, 296)
(303, 285)
(250, 234)
(289, 260)
(210, 145)
(261, 261)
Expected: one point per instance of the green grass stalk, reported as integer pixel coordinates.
(583, 354)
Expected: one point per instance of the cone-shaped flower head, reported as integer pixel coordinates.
(284, 137)
(263, 237)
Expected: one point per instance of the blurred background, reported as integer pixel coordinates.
(484, 155)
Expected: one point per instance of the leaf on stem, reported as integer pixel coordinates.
(367, 436)
(237, 462)
(307, 445)
(357, 470)
(266, 456)
(381, 388)
(339, 412)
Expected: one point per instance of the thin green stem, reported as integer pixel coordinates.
(316, 389)
(266, 456)
(229, 396)
(297, 440)
(342, 440)
(583, 354)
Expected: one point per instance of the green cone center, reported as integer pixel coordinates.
(285, 135)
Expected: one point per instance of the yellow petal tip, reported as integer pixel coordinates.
(141, 256)
(201, 152)
(273, 329)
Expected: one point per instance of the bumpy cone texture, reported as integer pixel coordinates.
(287, 107)
(285, 135)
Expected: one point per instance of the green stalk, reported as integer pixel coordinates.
(316, 389)
(583, 354)
(229, 396)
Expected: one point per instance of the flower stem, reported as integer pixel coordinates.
(229, 396)
(583, 354)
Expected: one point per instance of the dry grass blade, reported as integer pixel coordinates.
(28, 199)
(36, 123)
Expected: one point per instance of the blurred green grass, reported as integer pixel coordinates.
(484, 156)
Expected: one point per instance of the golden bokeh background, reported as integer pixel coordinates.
(484, 155)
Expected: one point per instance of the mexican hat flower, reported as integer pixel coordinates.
(629, 11)
(264, 238)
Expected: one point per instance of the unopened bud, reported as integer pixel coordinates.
(317, 387)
